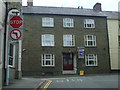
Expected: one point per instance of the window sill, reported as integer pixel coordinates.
(47, 26)
(91, 66)
(68, 27)
(47, 66)
(12, 67)
(89, 27)
(47, 46)
(68, 46)
(90, 46)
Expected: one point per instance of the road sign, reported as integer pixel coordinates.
(15, 34)
(81, 52)
(16, 21)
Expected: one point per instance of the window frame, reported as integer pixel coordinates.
(89, 23)
(45, 40)
(51, 60)
(69, 40)
(12, 56)
(87, 41)
(119, 41)
(47, 22)
(87, 59)
(68, 22)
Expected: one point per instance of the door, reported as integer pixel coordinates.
(67, 61)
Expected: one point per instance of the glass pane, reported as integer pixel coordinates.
(91, 62)
(91, 56)
(47, 62)
(47, 56)
(10, 60)
(90, 43)
(89, 37)
(11, 50)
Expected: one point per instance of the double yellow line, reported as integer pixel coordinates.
(47, 84)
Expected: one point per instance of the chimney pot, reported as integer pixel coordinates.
(97, 7)
(29, 2)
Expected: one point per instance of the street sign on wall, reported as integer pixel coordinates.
(81, 52)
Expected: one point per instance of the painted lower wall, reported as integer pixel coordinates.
(0, 78)
(113, 43)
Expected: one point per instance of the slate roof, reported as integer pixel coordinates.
(68, 11)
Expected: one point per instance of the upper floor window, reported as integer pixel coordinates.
(90, 40)
(47, 22)
(89, 23)
(91, 60)
(48, 60)
(68, 22)
(68, 40)
(47, 40)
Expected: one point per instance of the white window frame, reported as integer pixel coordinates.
(47, 40)
(13, 57)
(89, 23)
(68, 22)
(44, 60)
(88, 59)
(86, 40)
(47, 22)
(68, 40)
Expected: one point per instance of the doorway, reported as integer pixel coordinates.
(69, 63)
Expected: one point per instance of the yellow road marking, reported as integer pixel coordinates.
(40, 85)
(47, 85)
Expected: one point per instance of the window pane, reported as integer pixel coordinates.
(68, 40)
(47, 22)
(48, 60)
(89, 23)
(68, 22)
(47, 40)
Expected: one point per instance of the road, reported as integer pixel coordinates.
(105, 81)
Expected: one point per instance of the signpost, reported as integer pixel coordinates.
(15, 32)
(16, 22)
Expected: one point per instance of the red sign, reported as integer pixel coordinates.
(15, 34)
(16, 21)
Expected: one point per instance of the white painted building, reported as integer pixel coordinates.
(2, 17)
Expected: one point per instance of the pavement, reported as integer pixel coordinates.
(25, 82)
(34, 83)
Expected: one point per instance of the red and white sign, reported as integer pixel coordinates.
(15, 34)
(16, 21)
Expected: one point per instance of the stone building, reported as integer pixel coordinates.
(59, 40)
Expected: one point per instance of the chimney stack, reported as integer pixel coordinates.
(29, 2)
(97, 7)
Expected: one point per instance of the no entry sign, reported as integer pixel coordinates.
(15, 34)
(16, 21)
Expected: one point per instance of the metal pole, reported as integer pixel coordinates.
(11, 12)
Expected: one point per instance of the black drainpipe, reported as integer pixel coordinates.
(5, 33)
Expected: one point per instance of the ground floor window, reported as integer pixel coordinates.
(91, 60)
(48, 60)
(12, 55)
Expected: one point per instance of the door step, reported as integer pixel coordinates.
(69, 72)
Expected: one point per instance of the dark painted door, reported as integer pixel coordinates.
(67, 61)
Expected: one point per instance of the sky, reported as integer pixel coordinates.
(107, 5)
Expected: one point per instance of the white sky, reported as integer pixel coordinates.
(107, 5)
